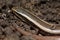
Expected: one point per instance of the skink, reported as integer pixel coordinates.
(38, 22)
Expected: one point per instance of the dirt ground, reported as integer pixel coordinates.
(48, 10)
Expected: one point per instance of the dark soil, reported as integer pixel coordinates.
(48, 10)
